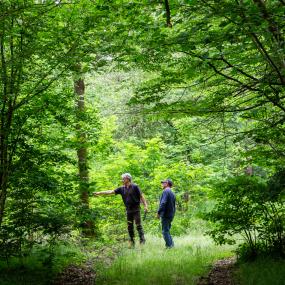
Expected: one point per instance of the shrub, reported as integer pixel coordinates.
(249, 206)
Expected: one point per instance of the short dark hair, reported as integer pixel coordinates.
(168, 181)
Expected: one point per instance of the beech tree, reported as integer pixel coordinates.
(40, 43)
(32, 60)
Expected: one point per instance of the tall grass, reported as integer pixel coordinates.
(153, 264)
(262, 272)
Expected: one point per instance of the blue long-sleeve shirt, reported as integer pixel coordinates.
(167, 204)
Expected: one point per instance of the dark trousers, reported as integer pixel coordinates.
(131, 218)
(166, 226)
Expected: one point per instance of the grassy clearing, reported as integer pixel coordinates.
(262, 272)
(152, 264)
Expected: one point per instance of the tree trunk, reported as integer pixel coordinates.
(3, 194)
(5, 157)
(87, 224)
(168, 15)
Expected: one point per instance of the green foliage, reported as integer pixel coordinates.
(208, 95)
(41, 44)
(40, 204)
(149, 164)
(261, 272)
(245, 206)
(222, 61)
(40, 265)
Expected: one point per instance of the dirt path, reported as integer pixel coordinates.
(75, 275)
(220, 274)
(85, 275)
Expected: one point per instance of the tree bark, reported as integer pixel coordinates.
(3, 194)
(5, 126)
(168, 15)
(79, 88)
(82, 155)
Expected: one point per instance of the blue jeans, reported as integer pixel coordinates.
(166, 226)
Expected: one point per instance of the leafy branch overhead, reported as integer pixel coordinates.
(219, 57)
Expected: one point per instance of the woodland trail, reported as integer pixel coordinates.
(192, 257)
(220, 274)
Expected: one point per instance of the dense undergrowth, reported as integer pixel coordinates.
(41, 265)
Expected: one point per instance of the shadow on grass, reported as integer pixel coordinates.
(39, 267)
(263, 271)
(25, 276)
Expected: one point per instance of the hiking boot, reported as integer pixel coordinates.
(131, 244)
(142, 241)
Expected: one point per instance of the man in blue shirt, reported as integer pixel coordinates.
(166, 211)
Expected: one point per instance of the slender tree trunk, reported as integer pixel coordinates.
(3, 193)
(5, 156)
(6, 117)
(79, 88)
(87, 224)
(168, 14)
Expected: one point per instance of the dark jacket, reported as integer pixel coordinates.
(167, 204)
(131, 197)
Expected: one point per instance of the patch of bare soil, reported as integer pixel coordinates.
(220, 274)
(85, 275)
(75, 275)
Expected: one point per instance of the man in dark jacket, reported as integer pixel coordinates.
(166, 211)
(132, 197)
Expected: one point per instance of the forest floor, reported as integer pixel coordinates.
(192, 258)
(220, 274)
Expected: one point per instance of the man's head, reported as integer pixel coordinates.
(126, 178)
(166, 183)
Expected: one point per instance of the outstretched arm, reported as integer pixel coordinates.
(143, 200)
(104, 193)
